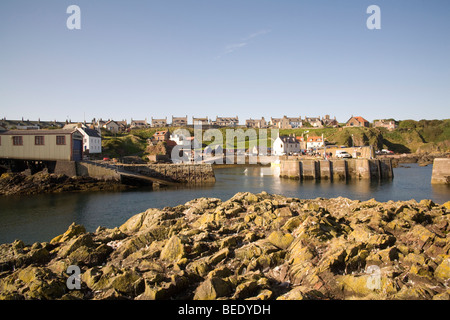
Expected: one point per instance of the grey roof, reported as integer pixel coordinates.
(288, 139)
(91, 132)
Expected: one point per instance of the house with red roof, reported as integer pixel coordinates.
(161, 135)
(357, 122)
(314, 142)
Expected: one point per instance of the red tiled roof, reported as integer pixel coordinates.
(361, 119)
(314, 139)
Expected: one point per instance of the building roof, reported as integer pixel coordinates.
(289, 139)
(36, 132)
(91, 132)
(227, 118)
(161, 133)
(359, 119)
(315, 139)
(139, 121)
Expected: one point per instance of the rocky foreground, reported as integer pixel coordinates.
(42, 182)
(252, 246)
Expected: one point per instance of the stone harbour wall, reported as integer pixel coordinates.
(441, 171)
(370, 169)
(183, 173)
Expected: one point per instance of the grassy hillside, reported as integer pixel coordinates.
(128, 145)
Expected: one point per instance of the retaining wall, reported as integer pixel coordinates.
(368, 169)
(95, 171)
(69, 168)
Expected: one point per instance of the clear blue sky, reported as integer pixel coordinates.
(251, 58)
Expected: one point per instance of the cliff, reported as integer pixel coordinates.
(252, 246)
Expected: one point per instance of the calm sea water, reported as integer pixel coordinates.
(42, 217)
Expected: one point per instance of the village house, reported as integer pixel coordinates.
(200, 121)
(74, 125)
(92, 140)
(357, 122)
(327, 121)
(101, 123)
(179, 121)
(314, 142)
(186, 144)
(285, 145)
(314, 122)
(180, 140)
(302, 142)
(162, 135)
(388, 124)
(255, 123)
(123, 125)
(138, 124)
(286, 122)
(29, 125)
(226, 121)
(159, 123)
(112, 126)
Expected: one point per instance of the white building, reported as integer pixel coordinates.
(92, 140)
(285, 145)
(314, 142)
(186, 141)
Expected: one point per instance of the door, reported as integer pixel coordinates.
(77, 150)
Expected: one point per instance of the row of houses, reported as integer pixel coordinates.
(292, 122)
(122, 125)
(281, 123)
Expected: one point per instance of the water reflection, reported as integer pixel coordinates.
(42, 217)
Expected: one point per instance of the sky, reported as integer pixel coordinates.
(140, 59)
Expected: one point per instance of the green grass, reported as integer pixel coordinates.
(128, 145)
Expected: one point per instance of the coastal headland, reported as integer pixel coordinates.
(252, 246)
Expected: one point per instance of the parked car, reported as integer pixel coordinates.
(343, 154)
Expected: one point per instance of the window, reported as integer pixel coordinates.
(17, 140)
(39, 140)
(60, 140)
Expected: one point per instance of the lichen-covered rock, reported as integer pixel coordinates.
(73, 231)
(442, 272)
(212, 288)
(173, 250)
(280, 239)
(252, 246)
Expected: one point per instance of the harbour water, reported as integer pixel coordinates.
(39, 218)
